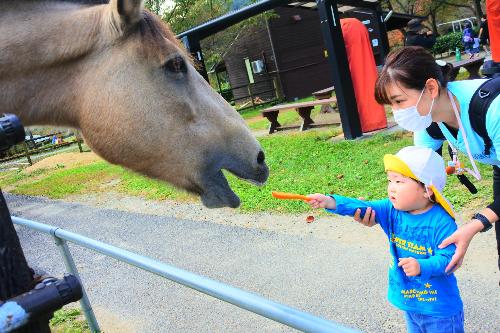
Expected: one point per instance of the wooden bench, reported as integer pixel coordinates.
(325, 94)
(471, 65)
(303, 109)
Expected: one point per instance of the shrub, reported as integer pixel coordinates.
(448, 42)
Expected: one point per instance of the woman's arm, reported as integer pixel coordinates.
(462, 238)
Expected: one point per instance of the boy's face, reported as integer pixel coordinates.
(405, 193)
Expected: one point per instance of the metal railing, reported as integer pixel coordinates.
(275, 311)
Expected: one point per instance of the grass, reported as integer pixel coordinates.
(299, 162)
(68, 321)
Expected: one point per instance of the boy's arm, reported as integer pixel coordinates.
(348, 206)
(436, 264)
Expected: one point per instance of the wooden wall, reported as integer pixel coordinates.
(298, 45)
(253, 43)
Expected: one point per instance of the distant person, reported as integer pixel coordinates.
(484, 35)
(418, 35)
(468, 39)
(476, 46)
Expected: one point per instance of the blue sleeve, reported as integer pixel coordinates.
(423, 139)
(436, 264)
(493, 124)
(348, 206)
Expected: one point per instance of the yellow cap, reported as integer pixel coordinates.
(421, 164)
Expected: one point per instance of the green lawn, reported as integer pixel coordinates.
(68, 321)
(302, 162)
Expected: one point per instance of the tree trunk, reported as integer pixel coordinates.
(478, 9)
(432, 15)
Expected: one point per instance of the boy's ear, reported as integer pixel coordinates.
(428, 192)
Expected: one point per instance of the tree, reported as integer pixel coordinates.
(438, 10)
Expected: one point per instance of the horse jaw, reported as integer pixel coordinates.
(217, 192)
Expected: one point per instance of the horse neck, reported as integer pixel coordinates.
(43, 47)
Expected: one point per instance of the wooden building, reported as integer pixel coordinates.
(287, 53)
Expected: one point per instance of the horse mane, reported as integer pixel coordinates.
(151, 28)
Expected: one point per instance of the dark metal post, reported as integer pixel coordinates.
(192, 44)
(384, 40)
(337, 58)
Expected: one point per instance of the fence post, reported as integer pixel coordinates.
(277, 89)
(27, 152)
(71, 267)
(78, 140)
(249, 87)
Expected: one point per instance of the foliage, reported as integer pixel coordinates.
(68, 321)
(448, 42)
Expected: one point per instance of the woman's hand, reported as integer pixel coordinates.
(461, 238)
(367, 220)
(321, 201)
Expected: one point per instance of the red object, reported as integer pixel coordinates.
(450, 170)
(493, 14)
(363, 73)
(310, 219)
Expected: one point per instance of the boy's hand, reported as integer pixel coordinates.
(410, 266)
(321, 201)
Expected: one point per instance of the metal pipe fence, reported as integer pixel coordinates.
(275, 311)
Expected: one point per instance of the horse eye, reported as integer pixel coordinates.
(176, 65)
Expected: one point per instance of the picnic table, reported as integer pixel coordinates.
(471, 65)
(325, 94)
(303, 109)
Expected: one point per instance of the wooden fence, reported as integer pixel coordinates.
(35, 146)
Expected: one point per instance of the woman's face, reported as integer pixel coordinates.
(402, 98)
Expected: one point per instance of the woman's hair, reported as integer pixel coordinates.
(410, 67)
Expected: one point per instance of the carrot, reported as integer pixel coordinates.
(289, 196)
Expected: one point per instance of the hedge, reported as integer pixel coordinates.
(448, 42)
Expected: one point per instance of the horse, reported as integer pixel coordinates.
(117, 73)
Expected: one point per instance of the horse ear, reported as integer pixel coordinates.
(130, 11)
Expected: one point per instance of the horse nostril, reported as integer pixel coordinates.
(260, 157)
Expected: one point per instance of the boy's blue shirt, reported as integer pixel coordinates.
(433, 292)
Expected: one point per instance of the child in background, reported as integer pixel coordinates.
(475, 46)
(416, 218)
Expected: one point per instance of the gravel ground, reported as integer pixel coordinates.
(332, 268)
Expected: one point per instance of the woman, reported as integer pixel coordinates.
(416, 88)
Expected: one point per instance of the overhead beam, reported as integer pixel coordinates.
(223, 22)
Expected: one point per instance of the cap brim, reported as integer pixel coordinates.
(394, 163)
(440, 199)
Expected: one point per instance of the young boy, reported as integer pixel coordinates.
(416, 218)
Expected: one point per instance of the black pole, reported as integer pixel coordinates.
(192, 44)
(337, 58)
(384, 40)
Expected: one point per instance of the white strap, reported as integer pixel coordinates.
(474, 173)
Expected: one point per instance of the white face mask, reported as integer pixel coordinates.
(410, 119)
